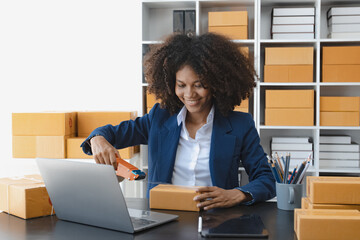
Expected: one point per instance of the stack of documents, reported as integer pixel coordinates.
(338, 152)
(293, 23)
(344, 22)
(299, 148)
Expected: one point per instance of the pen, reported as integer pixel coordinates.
(200, 224)
(292, 175)
(299, 172)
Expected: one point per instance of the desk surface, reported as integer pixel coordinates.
(279, 224)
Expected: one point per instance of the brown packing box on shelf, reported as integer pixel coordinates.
(307, 204)
(24, 146)
(243, 107)
(289, 99)
(173, 197)
(88, 121)
(341, 73)
(339, 119)
(75, 151)
(233, 24)
(344, 55)
(288, 73)
(150, 100)
(244, 51)
(333, 190)
(289, 116)
(289, 56)
(339, 104)
(25, 197)
(44, 124)
(326, 224)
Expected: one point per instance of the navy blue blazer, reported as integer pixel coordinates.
(234, 138)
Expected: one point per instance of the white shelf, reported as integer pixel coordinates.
(287, 84)
(289, 127)
(339, 170)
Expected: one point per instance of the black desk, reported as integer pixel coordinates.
(279, 223)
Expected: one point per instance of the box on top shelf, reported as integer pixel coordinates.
(44, 124)
(339, 104)
(300, 28)
(233, 24)
(341, 11)
(348, 55)
(335, 139)
(344, 19)
(295, 11)
(351, 147)
(293, 20)
(344, 28)
(289, 56)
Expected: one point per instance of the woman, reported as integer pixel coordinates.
(194, 137)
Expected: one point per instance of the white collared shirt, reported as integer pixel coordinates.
(191, 166)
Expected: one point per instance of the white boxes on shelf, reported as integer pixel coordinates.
(293, 23)
(344, 22)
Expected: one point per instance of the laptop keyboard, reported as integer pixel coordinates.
(140, 222)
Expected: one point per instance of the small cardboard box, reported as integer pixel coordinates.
(44, 124)
(289, 99)
(341, 55)
(173, 197)
(339, 119)
(289, 56)
(289, 116)
(88, 121)
(232, 32)
(333, 190)
(24, 146)
(25, 197)
(339, 104)
(307, 204)
(243, 107)
(51, 146)
(288, 73)
(151, 100)
(75, 151)
(326, 224)
(341, 73)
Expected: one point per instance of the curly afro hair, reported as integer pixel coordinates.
(216, 60)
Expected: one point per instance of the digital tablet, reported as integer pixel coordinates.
(249, 226)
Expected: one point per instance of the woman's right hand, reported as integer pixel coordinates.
(103, 152)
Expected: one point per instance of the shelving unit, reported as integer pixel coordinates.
(157, 23)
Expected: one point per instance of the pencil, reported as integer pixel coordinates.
(292, 175)
(298, 174)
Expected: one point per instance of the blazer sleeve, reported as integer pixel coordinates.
(127, 133)
(261, 181)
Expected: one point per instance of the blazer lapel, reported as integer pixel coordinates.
(168, 143)
(222, 150)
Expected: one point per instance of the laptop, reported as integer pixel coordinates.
(90, 193)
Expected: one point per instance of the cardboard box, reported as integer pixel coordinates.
(232, 32)
(288, 73)
(229, 18)
(151, 100)
(339, 119)
(173, 197)
(341, 55)
(51, 146)
(341, 73)
(25, 197)
(75, 151)
(289, 116)
(333, 190)
(307, 204)
(244, 51)
(24, 146)
(339, 104)
(289, 99)
(326, 224)
(88, 121)
(243, 107)
(44, 124)
(289, 56)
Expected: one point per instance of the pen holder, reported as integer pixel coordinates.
(288, 196)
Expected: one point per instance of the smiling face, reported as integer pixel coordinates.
(192, 93)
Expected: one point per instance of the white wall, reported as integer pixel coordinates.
(60, 55)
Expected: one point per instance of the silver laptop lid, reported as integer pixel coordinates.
(87, 193)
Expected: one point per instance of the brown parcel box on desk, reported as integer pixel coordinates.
(173, 197)
(339, 119)
(307, 204)
(289, 56)
(75, 151)
(233, 24)
(333, 190)
(327, 224)
(24, 197)
(288, 73)
(44, 124)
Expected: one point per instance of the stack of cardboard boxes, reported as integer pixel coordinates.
(339, 111)
(341, 64)
(332, 205)
(233, 24)
(59, 134)
(289, 107)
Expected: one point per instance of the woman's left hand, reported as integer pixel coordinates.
(215, 197)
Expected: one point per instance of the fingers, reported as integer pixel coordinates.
(113, 159)
(213, 197)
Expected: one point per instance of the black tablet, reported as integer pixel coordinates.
(249, 226)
